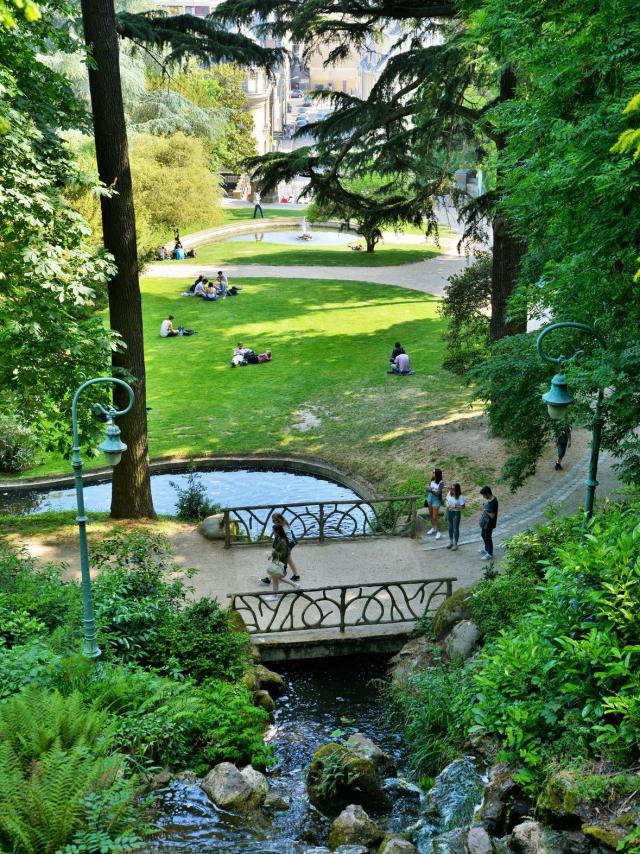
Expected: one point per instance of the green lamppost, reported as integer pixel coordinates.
(113, 449)
(558, 399)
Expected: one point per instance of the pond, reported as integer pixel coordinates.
(236, 488)
(293, 238)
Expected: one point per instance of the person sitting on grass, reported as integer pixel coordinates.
(239, 354)
(222, 285)
(210, 293)
(200, 288)
(356, 247)
(166, 328)
(401, 365)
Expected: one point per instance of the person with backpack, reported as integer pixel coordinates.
(278, 560)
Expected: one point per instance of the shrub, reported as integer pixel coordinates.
(200, 641)
(228, 727)
(425, 705)
(192, 504)
(31, 664)
(465, 304)
(133, 594)
(565, 679)
(500, 601)
(57, 782)
(18, 444)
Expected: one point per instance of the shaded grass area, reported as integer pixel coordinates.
(331, 342)
(263, 252)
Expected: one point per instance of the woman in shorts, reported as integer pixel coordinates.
(434, 502)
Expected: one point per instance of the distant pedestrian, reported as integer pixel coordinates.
(455, 501)
(277, 566)
(434, 502)
(257, 207)
(488, 521)
(563, 441)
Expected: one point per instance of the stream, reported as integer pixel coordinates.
(321, 697)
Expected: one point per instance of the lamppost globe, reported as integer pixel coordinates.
(558, 398)
(112, 447)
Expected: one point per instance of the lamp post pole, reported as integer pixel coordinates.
(597, 420)
(113, 448)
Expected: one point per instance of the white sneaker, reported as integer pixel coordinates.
(438, 536)
(272, 597)
(296, 586)
(432, 531)
(482, 551)
(486, 557)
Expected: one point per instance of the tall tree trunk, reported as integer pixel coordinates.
(507, 250)
(131, 496)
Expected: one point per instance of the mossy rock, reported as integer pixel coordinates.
(560, 795)
(269, 680)
(454, 609)
(396, 843)
(357, 784)
(263, 700)
(236, 623)
(609, 835)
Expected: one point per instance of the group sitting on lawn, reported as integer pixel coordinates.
(207, 290)
(399, 362)
(246, 356)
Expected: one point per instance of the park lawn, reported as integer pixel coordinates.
(229, 216)
(331, 340)
(279, 254)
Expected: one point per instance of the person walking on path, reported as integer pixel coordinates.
(488, 521)
(279, 519)
(434, 502)
(278, 559)
(455, 502)
(563, 441)
(257, 207)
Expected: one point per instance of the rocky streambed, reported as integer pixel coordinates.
(341, 783)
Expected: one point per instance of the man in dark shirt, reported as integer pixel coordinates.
(488, 521)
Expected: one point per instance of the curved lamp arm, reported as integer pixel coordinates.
(110, 412)
(558, 360)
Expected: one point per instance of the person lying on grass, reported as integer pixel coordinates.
(246, 356)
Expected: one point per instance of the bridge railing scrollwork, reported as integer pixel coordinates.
(340, 606)
(324, 520)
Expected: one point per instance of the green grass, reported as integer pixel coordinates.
(253, 252)
(229, 216)
(331, 340)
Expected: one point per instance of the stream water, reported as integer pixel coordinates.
(321, 696)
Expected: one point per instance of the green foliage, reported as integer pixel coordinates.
(565, 679)
(199, 640)
(510, 381)
(571, 193)
(426, 707)
(23, 665)
(192, 504)
(465, 304)
(498, 602)
(59, 782)
(172, 185)
(133, 593)
(228, 727)
(18, 444)
(52, 278)
(337, 772)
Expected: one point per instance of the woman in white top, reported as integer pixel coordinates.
(455, 502)
(434, 502)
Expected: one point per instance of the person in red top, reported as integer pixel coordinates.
(264, 357)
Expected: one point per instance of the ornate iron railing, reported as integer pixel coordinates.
(340, 606)
(325, 520)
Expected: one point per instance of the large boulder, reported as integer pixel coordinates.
(395, 843)
(365, 748)
(479, 841)
(213, 527)
(528, 838)
(231, 789)
(462, 640)
(416, 654)
(498, 794)
(609, 835)
(353, 827)
(454, 609)
(264, 700)
(337, 777)
(561, 796)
